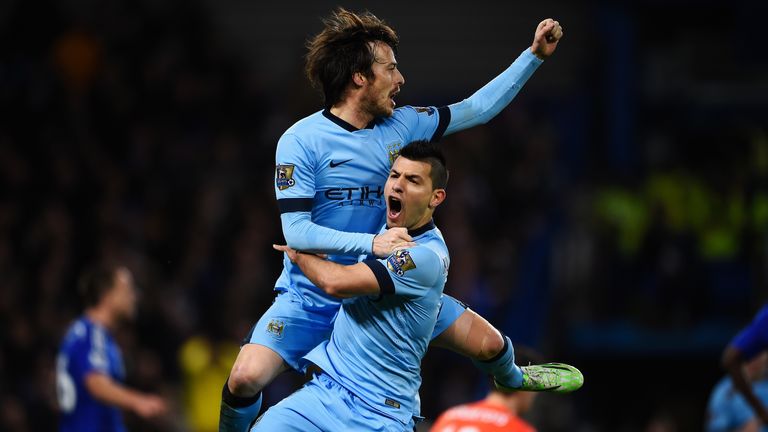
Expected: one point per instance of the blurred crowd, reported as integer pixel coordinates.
(128, 133)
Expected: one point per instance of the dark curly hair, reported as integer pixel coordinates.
(342, 49)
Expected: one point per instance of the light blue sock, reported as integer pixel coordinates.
(237, 413)
(502, 366)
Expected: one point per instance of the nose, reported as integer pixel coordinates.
(400, 78)
(397, 186)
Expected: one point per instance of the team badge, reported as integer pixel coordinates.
(428, 110)
(393, 150)
(284, 176)
(276, 327)
(400, 262)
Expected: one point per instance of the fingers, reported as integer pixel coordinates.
(555, 33)
(394, 238)
(401, 233)
(551, 30)
(404, 245)
(281, 248)
(151, 406)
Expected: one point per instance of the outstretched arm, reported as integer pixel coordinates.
(105, 389)
(487, 102)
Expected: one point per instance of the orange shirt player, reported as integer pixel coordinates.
(498, 412)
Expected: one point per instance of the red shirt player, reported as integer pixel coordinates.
(498, 412)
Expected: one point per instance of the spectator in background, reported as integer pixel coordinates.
(748, 348)
(89, 367)
(728, 410)
(499, 411)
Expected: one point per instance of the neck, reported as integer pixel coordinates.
(419, 229)
(351, 113)
(510, 403)
(100, 316)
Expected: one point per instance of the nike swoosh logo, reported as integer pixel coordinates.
(335, 164)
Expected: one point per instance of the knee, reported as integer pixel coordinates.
(493, 345)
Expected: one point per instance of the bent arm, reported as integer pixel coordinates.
(493, 97)
(302, 234)
(338, 280)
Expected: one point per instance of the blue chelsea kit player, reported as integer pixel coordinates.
(87, 347)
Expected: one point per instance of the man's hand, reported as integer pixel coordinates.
(394, 238)
(548, 33)
(292, 254)
(148, 406)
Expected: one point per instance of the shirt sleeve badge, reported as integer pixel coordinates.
(400, 262)
(284, 176)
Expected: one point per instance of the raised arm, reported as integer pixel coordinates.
(487, 102)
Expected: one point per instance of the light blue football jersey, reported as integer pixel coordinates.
(377, 343)
(727, 409)
(337, 172)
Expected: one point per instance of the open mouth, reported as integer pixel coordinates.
(394, 207)
(392, 97)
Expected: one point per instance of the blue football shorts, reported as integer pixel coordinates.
(292, 331)
(450, 310)
(324, 405)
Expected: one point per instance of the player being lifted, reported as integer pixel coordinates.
(331, 168)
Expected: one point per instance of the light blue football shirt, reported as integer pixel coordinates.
(377, 343)
(337, 172)
(727, 409)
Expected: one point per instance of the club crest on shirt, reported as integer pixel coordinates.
(393, 149)
(284, 176)
(276, 327)
(400, 262)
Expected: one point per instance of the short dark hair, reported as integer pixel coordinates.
(342, 49)
(425, 151)
(95, 282)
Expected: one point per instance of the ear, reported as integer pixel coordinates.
(438, 196)
(359, 79)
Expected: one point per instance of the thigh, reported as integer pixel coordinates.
(471, 336)
(450, 311)
(291, 331)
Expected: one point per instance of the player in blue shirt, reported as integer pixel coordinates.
(89, 366)
(370, 367)
(748, 344)
(329, 177)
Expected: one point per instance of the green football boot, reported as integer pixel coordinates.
(548, 377)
